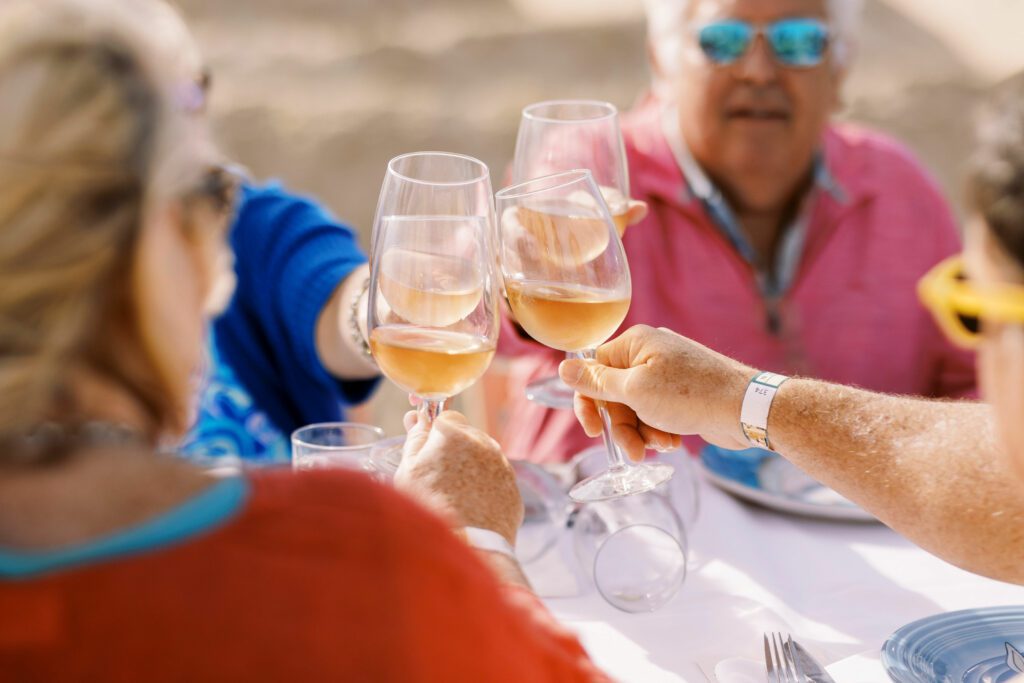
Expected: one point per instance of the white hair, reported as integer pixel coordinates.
(666, 22)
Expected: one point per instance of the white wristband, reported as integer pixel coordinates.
(757, 403)
(485, 539)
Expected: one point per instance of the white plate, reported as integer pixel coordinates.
(830, 506)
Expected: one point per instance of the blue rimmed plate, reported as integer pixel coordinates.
(969, 646)
(769, 480)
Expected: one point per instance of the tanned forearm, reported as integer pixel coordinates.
(931, 470)
(338, 351)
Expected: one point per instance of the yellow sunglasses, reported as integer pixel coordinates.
(958, 306)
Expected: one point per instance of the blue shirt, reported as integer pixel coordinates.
(265, 378)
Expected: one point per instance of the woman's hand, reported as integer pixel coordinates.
(658, 385)
(460, 472)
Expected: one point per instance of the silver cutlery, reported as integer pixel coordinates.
(813, 671)
(780, 660)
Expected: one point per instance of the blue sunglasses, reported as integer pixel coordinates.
(797, 42)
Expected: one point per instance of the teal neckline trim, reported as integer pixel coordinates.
(203, 513)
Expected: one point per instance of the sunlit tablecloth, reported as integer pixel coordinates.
(840, 589)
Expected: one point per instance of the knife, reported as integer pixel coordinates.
(811, 669)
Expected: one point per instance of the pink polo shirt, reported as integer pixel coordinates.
(850, 315)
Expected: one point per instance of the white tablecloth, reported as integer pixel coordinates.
(841, 589)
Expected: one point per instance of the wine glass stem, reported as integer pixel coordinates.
(616, 461)
(430, 408)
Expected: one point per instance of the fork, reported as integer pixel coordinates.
(780, 661)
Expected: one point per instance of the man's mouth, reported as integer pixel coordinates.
(756, 114)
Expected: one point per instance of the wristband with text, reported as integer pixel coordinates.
(757, 402)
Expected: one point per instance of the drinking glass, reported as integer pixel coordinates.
(346, 445)
(432, 319)
(683, 492)
(634, 548)
(567, 283)
(562, 135)
(546, 510)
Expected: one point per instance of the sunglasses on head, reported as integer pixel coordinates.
(959, 306)
(795, 42)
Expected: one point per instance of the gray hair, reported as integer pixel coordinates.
(666, 20)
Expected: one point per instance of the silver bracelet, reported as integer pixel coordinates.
(353, 320)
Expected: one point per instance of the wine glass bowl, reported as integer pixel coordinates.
(562, 135)
(567, 283)
(432, 307)
(634, 548)
(565, 272)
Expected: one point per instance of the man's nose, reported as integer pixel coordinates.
(758, 65)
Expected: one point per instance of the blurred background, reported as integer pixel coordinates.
(322, 93)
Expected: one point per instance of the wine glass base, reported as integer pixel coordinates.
(617, 483)
(551, 392)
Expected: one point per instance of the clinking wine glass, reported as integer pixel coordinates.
(562, 135)
(567, 282)
(432, 319)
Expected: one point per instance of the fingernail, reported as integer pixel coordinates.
(570, 371)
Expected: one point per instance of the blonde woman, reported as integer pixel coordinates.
(117, 564)
(287, 349)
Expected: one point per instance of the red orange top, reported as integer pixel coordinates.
(319, 576)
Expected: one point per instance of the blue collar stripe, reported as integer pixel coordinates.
(203, 513)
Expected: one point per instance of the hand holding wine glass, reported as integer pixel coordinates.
(460, 473)
(567, 282)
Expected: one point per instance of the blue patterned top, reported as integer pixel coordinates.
(228, 422)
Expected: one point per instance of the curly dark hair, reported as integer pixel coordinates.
(995, 184)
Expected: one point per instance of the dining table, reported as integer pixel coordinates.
(839, 588)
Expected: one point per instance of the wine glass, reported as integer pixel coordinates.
(567, 282)
(634, 548)
(432, 319)
(561, 135)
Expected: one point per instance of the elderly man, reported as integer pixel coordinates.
(774, 235)
(946, 474)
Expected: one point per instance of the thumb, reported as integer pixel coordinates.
(592, 379)
(416, 438)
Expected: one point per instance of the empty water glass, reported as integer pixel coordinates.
(546, 509)
(634, 549)
(346, 445)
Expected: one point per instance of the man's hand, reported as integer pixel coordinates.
(460, 472)
(658, 385)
